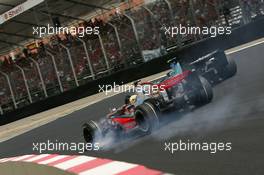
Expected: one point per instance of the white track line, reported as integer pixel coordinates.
(54, 159)
(74, 162)
(36, 158)
(21, 158)
(245, 46)
(109, 168)
(4, 160)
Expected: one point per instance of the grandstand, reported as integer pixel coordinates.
(131, 33)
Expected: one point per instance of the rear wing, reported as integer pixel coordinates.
(205, 57)
(217, 56)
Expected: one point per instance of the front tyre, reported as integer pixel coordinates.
(147, 117)
(90, 131)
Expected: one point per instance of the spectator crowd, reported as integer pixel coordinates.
(61, 62)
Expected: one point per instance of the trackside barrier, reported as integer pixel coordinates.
(80, 165)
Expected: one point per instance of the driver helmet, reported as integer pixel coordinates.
(133, 99)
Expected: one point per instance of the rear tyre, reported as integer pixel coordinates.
(205, 93)
(90, 131)
(231, 69)
(147, 117)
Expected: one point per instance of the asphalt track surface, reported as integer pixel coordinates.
(236, 115)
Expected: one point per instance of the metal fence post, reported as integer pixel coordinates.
(25, 81)
(71, 63)
(104, 53)
(40, 76)
(170, 8)
(136, 35)
(117, 35)
(88, 57)
(56, 70)
(118, 40)
(10, 88)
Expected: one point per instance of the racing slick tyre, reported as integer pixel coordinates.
(231, 69)
(205, 93)
(90, 131)
(147, 117)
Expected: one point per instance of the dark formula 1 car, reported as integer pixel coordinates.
(215, 66)
(176, 91)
